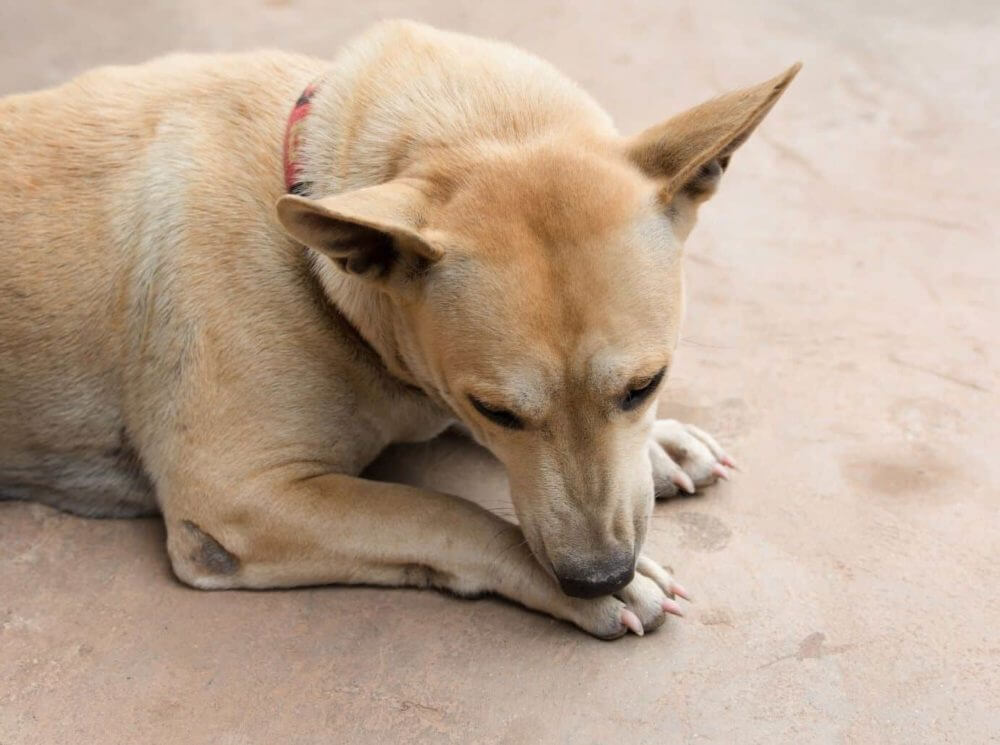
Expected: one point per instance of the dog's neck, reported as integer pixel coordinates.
(375, 317)
(310, 134)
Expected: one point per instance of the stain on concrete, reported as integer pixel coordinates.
(921, 471)
(716, 617)
(702, 532)
(813, 647)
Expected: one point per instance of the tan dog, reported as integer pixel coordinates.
(482, 247)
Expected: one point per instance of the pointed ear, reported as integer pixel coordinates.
(372, 232)
(689, 152)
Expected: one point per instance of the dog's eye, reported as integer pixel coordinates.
(503, 417)
(635, 396)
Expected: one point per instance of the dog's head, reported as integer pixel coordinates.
(537, 290)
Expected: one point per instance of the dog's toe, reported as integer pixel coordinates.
(684, 458)
(646, 600)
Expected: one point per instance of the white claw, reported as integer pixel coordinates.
(632, 622)
(670, 606)
(679, 591)
(683, 481)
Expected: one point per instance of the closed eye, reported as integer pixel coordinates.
(637, 394)
(502, 417)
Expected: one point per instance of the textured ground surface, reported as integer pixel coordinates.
(842, 341)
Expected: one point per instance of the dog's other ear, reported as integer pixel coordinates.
(373, 232)
(689, 152)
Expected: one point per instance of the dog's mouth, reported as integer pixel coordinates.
(582, 576)
(536, 542)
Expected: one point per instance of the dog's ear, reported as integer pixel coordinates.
(689, 152)
(373, 232)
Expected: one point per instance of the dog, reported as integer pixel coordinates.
(230, 281)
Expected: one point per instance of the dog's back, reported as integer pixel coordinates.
(100, 177)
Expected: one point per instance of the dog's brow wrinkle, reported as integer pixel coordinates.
(613, 369)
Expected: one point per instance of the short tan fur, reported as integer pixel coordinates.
(477, 244)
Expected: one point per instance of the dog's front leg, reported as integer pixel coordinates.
(685, 458)
(340, 529)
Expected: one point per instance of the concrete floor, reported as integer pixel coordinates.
(841, 341)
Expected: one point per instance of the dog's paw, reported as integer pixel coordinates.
(640, 606)
(685, 458)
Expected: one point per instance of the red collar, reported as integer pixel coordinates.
(293, 141)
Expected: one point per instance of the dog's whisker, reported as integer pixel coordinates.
(513, 547)
(694, 343)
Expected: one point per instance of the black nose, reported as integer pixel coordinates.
(603, 579)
